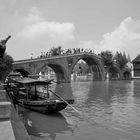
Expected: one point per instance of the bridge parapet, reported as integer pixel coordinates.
(55, 57)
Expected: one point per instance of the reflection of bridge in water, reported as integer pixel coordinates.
(62, 65)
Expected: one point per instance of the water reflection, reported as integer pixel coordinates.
(64, 90)
(136, 85)
(108, 92)
(113, 105)
(44, 125)
(98, 91)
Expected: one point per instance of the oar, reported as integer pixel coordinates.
(56, 82)
(64, 101)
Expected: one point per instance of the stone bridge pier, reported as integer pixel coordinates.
(62, 66)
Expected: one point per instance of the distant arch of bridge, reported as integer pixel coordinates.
(62, 65)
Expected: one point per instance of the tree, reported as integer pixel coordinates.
(128, 58)
(5, 66)
(121, 59)
(56, 51)
(3, 46)
(107, 58)
(109, 64)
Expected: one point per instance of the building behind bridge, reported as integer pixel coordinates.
(136, 67)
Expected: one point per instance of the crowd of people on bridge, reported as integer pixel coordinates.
(59, 51)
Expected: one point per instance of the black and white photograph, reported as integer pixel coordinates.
(69, 69)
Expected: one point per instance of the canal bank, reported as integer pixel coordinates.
(11, 128)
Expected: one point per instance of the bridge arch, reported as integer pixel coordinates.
(95, 65)
(59, 70)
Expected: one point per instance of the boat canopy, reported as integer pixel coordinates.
(27, 81)
(35, 76)
(14, 75)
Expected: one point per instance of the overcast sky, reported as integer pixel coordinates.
(38, 25)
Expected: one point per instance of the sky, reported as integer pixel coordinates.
(36, 26)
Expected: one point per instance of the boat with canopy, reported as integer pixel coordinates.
(35, 94)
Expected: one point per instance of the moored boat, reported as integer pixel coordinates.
(35, 94)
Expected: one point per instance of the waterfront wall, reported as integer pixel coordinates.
(11, 128)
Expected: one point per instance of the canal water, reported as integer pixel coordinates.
(103, 110)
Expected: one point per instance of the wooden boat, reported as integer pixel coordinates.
(34, 94)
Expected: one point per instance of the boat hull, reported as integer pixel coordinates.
(48, 107)
(42, 105)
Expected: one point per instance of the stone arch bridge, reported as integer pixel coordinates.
(62, 65)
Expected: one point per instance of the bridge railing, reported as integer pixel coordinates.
(56, 56)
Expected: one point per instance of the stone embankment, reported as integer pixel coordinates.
(11, 128)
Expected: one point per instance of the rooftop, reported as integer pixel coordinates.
(137, 59)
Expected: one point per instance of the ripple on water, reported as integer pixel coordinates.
(105, 111)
